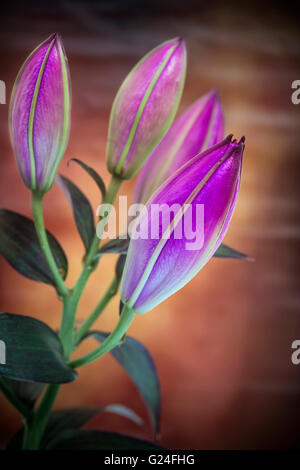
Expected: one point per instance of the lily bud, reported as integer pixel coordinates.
(201, 126)
(39, 117)
(158, 267)
(145, 107)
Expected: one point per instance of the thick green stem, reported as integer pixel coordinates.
(35, 426)
(109, 294)
(37, 211)
(113, 340)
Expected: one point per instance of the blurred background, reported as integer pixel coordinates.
(222, 345)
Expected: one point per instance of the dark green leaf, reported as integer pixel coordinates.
(19, 245)
(120, 266)
(75, 418)
(96, 177)
(225, 251)
(33, 351)
(71, 419)
(16, 441)
(26, 392)
(85, 439)
(138, 363)
(121, 305)
(82, 210)
(63, 420)
(59, 421)
(118, 245)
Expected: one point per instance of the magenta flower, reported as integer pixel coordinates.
(145, 107)
(39, 119)
(157, 267)
(201, 126)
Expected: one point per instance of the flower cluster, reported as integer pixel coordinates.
(186, 161)
(185, 165)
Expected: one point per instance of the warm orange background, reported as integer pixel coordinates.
(222, 345)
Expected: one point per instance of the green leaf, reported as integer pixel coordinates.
(58, 422)
(70, 419)
(96, 177)
(138, 363)
(120, 266)
(26, 392)
(63, 420)
(85, 439)
(225, 251)
(33, 351)
(118, 245)
(82, 210)
(20, 246)
(121, 305)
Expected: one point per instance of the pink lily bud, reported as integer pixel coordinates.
(157, 267)
(39, 118)
(201, 126)
(145, 107)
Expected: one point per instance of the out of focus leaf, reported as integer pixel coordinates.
(117, 245)
(225, 251)
(20, 246)
(63, 420)
(85, 439)
(139, 365)
(96, 177)
(71, 419)
(33, 351)
(120, 266)
(26, 392)
(82, 210)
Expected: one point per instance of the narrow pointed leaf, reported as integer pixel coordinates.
(117, 245)
(138, 363)
(85, 439)
(225, 251)
(26, 392)
(82, 210)
(96, 177)
(58, 422)
(120, 266)
(33, 351)
(63, 420)
(71, 419)
(20, 246)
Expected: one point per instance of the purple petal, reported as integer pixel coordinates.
(156, 268)
(201, 126)
(40, 114)
(145, 106)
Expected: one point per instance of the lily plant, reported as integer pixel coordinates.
(186, 164)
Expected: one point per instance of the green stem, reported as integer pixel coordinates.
(68, 320)
(13, 399)
(113, 340)
(35, 426)
(37, 211)
(109, 294)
